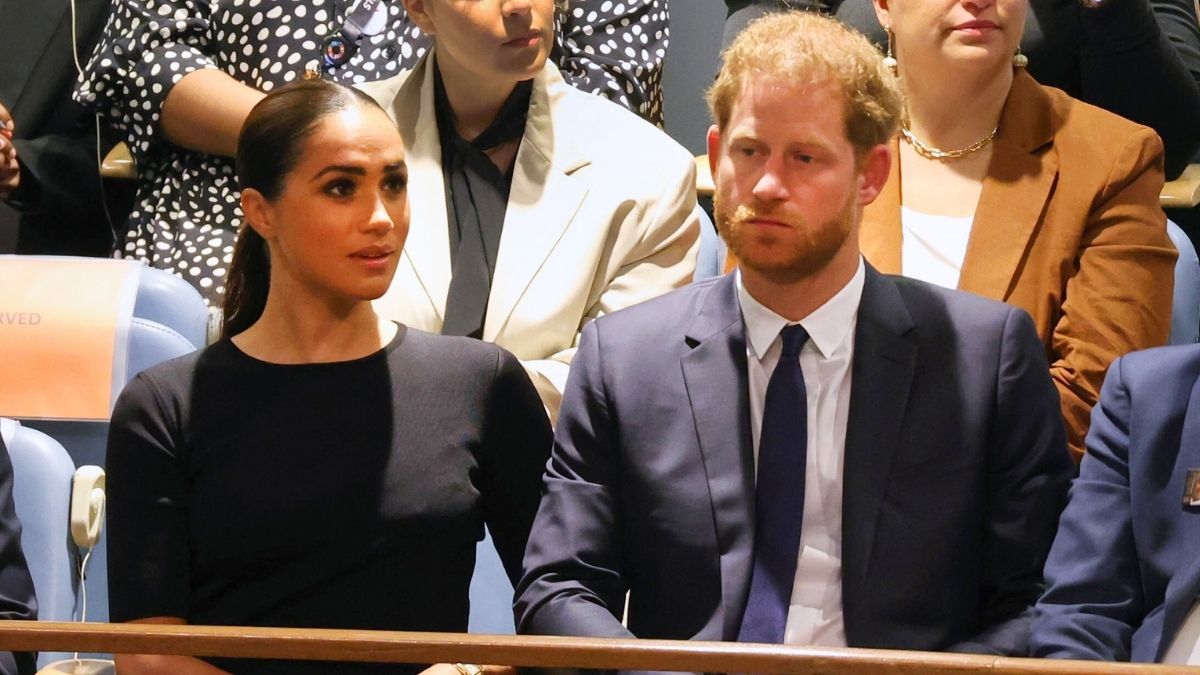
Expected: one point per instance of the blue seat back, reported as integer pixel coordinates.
(42, 473)
(711, 261)
(1185, 308)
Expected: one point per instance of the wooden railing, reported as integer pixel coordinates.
(397, 647)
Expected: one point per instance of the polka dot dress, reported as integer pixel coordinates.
(186, 215)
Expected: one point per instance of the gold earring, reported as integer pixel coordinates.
(1020, 60)
(889, 60)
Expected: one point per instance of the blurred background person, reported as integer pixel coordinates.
(318, 466)
(51, 197)
(177, 78)
(1137, 58)
(545, 207)
(1020, 193)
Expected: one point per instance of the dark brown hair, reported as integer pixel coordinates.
(270, 144)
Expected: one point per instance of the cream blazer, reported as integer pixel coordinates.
(602, 214)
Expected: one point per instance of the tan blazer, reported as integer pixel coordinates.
(602, 214)
(1068, 228)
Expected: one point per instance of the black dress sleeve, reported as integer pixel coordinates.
(1139, 59)
(148, 562)
(517, 439)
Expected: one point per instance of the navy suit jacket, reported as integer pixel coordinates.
(955, 472)
(1125, 567)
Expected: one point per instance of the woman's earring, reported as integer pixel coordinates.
(889, 61)
(1019, 59)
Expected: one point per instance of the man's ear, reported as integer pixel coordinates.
(714, 149)
(258, 215)
(873, 173)
(418, 11)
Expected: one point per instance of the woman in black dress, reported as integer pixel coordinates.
(317, 466)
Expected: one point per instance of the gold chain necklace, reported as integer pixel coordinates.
(930, 152)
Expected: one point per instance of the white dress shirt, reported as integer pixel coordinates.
(932, 248)
(815, 615)
(1185, 647)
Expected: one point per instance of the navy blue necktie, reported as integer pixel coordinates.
(778, 496)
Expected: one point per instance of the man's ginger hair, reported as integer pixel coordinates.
(805, 48)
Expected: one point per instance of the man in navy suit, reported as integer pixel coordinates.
(804, 451)
(1123, 577)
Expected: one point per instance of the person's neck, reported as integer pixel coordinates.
(474, 101)
(794, 299)
(303, 329)
(955, 110)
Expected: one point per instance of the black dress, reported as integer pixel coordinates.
(337, 495)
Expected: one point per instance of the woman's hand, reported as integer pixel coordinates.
(464, 669)
(10, 171)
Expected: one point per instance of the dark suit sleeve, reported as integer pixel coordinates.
(1140, 59)
(573, 582)
(16, 586)
(517, 442)
(1027, 482)
(616, 52)
(59, 174)
(1093, 600)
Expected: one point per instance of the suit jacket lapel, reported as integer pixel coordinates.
(713, 370)
(427, 248)
(1184, 589)
(542, 201)
(884, 361)
(1018, 185)
(30, 37)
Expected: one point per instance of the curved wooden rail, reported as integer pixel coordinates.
(398, 647)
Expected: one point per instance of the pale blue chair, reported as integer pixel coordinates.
(1185, 307)
(169, 319)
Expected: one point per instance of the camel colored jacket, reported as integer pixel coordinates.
(1068, 228)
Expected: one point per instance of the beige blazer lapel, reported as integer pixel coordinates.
(543, 200)
(427, 249)
(1019, 181)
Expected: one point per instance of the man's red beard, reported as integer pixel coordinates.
(793, 251)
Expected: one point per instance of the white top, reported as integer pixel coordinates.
(1185, 647)
(932, 248)
(815, 616)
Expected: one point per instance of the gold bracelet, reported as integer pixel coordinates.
(468, 668)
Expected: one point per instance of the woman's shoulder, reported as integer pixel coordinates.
(447, 352)
(176, 377)
(1089, 126)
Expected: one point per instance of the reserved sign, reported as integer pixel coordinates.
(63, 331)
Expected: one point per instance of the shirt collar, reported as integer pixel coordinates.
(828, 326)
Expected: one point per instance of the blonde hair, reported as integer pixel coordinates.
(806, 48)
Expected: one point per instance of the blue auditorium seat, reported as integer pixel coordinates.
(168, 319)
(711, 261)
(1185, 308)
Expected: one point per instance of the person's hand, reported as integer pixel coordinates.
(10, 171)
(451, 669)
